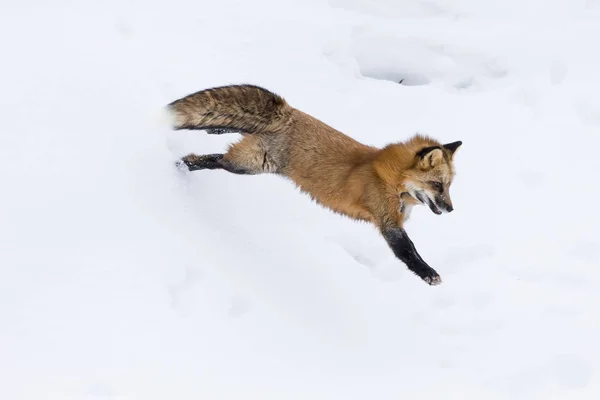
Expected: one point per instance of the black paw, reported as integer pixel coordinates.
(431, 277)
(191, 162)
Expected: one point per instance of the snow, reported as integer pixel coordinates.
(124, 278)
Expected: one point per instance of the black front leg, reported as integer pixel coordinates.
(405, 250)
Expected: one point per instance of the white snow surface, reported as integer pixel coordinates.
(124, 278)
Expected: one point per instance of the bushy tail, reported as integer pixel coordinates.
(246, 108)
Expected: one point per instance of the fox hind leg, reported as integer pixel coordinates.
(246, 157)
(196, 162)
(221, 131)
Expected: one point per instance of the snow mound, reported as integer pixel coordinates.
(414, 61)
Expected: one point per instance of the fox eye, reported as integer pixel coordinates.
(438, 186)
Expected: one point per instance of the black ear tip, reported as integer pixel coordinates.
(453, 146)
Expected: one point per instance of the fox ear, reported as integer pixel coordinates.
(452, 147)
(429, 157)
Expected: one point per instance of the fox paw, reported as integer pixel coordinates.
(433, 281)
(432, 278)
(187, 162)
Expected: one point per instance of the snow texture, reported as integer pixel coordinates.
(123, 278)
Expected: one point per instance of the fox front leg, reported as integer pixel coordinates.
(405, 250)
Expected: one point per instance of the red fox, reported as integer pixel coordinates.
(365, 183)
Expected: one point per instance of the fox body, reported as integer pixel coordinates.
(377, 185)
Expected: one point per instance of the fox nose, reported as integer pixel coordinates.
(450, 208)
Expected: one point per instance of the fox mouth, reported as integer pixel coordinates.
(433, 207)
(430, 203)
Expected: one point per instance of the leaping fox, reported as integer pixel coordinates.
(365, 183)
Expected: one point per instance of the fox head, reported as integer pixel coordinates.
(429, 179)
(421, 169)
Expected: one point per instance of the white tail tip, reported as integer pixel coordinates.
(166, 117)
